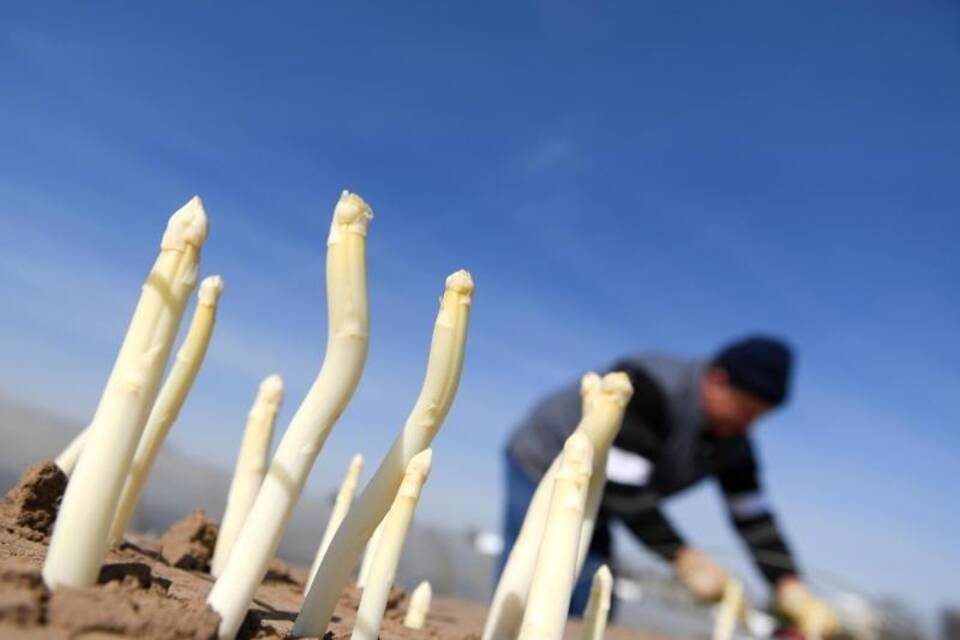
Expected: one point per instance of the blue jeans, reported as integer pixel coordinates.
(520, 489)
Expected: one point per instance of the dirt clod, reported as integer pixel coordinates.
(22, 595)
(189, 543)
(128, 610)
(33, 502)
(280, 571)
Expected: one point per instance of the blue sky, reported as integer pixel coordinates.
(617, 178)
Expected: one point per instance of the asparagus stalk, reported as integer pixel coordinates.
(328, 397)
(368, 553)
(340, 507)
(555, 572)
(439, 388)
(79, 542)
(607, 398)
(419, 606)
(604, 401)
(732, 606)
(250, 468)
(169, 402)
(383, 571)
(67, 459)
(598, 606)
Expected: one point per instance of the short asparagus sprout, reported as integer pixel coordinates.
(67, 459)
(419, 606)
(604, 401)
(340, 507)
(555, 572)
(80, 535)
(436, 396)
(339, 374)
(598, 606)
(250, 467)
(731, 608)
(169, 401)
(383, 571)
(368, 553)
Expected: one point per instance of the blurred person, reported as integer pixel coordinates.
(688, 420)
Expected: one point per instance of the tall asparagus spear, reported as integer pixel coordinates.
(328, 397)
(79, 542)
(555, 572)
(250, 468)
(604, 401)
(169, 401)
(383, 571)
(439, 388)
(340, 507)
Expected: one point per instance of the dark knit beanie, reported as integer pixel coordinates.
(759, 365)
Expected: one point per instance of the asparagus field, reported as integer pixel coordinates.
(71, 566)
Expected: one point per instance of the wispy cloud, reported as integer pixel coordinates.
(553, 154)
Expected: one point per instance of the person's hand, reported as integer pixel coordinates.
(813, 616)
(700, 575)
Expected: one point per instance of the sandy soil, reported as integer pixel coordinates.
(156, 589)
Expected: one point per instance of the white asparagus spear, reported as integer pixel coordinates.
(604, 401)
(608, 401)
(368, 553)
(340, 507)
(79, 541)
(439, 388)
(169, 401)
(347, 341)
(555, 573)
(419, 606)
(67, 459)
(250, 467)
(732, 606)
(598, 606)
(383, 571)
(183, 224)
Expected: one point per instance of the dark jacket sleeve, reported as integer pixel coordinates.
(752, 517)
(637, 508)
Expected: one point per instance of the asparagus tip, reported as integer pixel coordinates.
(617, 385)
(352, 210)
(210, 290)
(460, 281)
(271, 389)
(603, 575)
(589, 383)
(188, 225)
